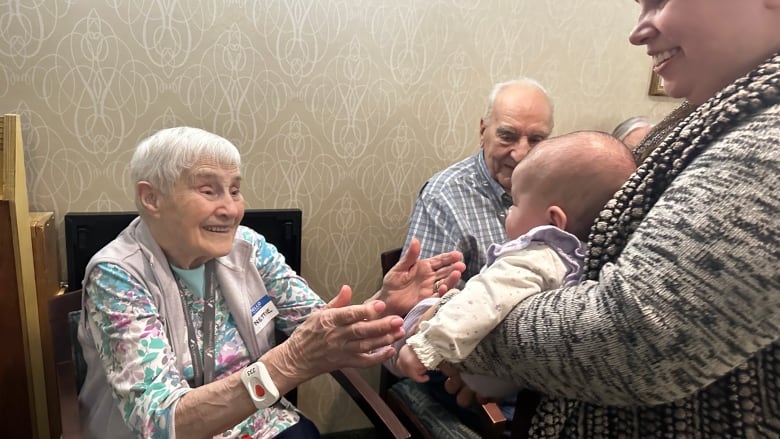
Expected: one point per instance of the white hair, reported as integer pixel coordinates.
(519, 81)
(624, 128)
(163, 157)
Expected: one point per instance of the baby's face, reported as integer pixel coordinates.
(528, 208)
(524, 216)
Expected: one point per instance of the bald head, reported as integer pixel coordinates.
(578, 172)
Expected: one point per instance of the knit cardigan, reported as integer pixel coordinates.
(678, 337)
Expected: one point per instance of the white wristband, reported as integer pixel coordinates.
(258, 383)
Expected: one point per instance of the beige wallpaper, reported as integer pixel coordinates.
(340, 107)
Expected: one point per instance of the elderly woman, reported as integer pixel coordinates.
(677, 331)
(181, 308)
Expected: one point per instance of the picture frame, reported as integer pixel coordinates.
(656, 85)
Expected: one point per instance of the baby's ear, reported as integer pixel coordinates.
(557, 217)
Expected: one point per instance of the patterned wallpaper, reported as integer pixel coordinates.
(341, 108)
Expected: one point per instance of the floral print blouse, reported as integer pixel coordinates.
(140, 365)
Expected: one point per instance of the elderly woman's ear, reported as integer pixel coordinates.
(147, 196)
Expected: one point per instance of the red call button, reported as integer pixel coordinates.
(259, 391)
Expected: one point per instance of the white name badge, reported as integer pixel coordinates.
(263, 312)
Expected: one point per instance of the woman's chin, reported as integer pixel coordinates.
(674, 90)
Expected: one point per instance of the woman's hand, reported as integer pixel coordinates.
(339, 335)
(454, 385)
(410, 280)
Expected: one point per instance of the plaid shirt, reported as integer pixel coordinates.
(460, 208)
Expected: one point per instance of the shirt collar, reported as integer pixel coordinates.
(495, 188)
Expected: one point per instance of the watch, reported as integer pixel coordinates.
(259, 385)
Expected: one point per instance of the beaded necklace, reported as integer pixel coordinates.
(669, 149)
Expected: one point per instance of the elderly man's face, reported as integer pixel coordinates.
(199, 218)
(520, 119)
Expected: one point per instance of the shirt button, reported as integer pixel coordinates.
(506, 200)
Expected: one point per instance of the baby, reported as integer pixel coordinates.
(558, 190)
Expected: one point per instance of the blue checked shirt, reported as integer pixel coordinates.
(460, 208)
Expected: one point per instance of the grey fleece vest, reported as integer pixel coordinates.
(136, 251)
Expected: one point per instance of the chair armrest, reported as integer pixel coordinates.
(493, 420)
(64, 368)
(387, 423)
(69, 401)
(493, 412)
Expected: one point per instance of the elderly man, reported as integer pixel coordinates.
(464, 206)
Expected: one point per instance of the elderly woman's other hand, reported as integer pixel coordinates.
(339, 335)
(410, 280)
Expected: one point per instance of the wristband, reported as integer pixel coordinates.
(258, 383)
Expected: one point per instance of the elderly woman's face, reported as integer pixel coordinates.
(200, 217)
(700, 46)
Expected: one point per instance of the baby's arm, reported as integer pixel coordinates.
(411, 322)
(469, 315)
(407, 362)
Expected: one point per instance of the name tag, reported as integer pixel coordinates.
(263, 312)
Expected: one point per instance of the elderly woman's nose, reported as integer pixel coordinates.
(229, 205)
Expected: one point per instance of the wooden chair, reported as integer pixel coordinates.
(64, 311)
(420, 412)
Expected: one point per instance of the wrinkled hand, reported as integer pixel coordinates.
(410, 280)
(410, 365)
(340, 335)
(455, 386)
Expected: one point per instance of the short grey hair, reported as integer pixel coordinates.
(624, 128)
(519, 81)
(163, 157)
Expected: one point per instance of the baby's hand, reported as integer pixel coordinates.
(410, 366)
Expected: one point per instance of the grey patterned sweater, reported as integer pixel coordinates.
(680, 337)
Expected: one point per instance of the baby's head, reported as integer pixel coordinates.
(565, 181)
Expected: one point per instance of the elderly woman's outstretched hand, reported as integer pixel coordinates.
(410, 280)
(340, 335)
